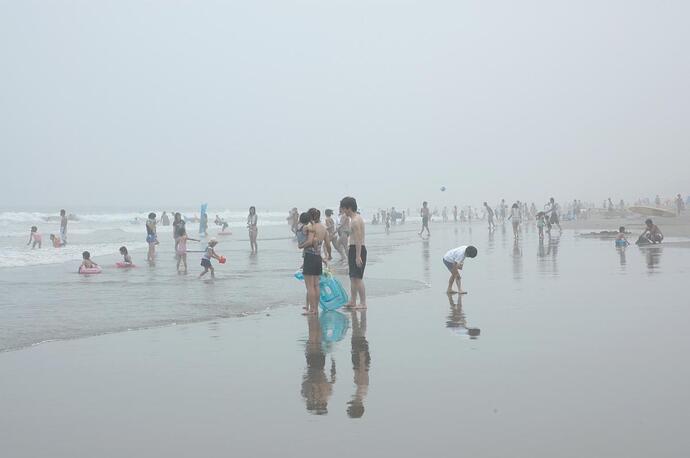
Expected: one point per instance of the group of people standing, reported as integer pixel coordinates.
(316, 239)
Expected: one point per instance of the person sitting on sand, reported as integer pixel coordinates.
(651, 234)
(86, 262)
(35, 238)
(454, 260)
(621, 241)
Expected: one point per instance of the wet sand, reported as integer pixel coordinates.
(581, 353)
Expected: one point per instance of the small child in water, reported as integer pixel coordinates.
(206, 258)
(35, 238)
(57, 243)
(541, 222)
(87, 263)
(181, 249)
(621, 240)
(126, 258)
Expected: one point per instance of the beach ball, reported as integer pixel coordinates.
(443, 188)
(222, 260)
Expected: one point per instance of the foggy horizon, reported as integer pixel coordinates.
(282, 104)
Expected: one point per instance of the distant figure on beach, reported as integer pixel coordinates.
(333, 233)
(621, 240)
(35, 238)
(680, 205)
(541, 223)
(361, 361)
(657, 201)
(502, 209)
(651, 234)
(610, 205)
(203, 223)
(455, 213)
(221, 222)
(317, 240)
(454, 260)
(343, 229)
(424, 212)
(181, 248)
(552, 213)
(252, 226)
(63, 226)
(489, 217)
(357, 253)
(515, 218)
(444, 214)
(293, 220)
(178, 227)
(165, 219)
(151, 237)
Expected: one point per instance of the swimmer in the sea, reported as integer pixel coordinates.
(35, 238)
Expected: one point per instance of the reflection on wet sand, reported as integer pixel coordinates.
(621, 256)
(517, 260)
(361, 361)
(316, 386)
(456, 319)
(426, 258)
(653, 257)
(549, 250)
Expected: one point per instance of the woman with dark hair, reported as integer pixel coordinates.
(253, 229)
(317, 239)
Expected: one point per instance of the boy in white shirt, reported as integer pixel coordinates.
(453, 260)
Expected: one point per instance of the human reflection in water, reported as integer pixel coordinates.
(653, 257)
(517, 260)
(361, 361)
(426, 257)
(491, 243)
(621, 255)
(316, 386)
(457, 322)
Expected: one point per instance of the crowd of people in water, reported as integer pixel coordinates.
(319, 237)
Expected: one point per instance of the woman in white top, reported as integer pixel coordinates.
(253, 229)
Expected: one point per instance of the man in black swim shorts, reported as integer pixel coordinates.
(357, 253)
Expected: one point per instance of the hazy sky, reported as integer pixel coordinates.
(280, 102)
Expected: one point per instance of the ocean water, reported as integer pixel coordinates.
(43, 298)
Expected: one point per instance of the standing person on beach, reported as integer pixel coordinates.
(489, 217)
(252, 219)
(425, 218)
(317, 239)
(332, 232)
(680, 205)
(516, 218)
(63, 227)
(552, 213)
(357, 253)
(455, 213)
(343, 231)
(151, 237)
(178, 227)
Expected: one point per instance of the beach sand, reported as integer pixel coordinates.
(581, 353)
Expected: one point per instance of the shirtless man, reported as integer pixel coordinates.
(357, 253)
(490, 217)
(425, 219)
(332, 233)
